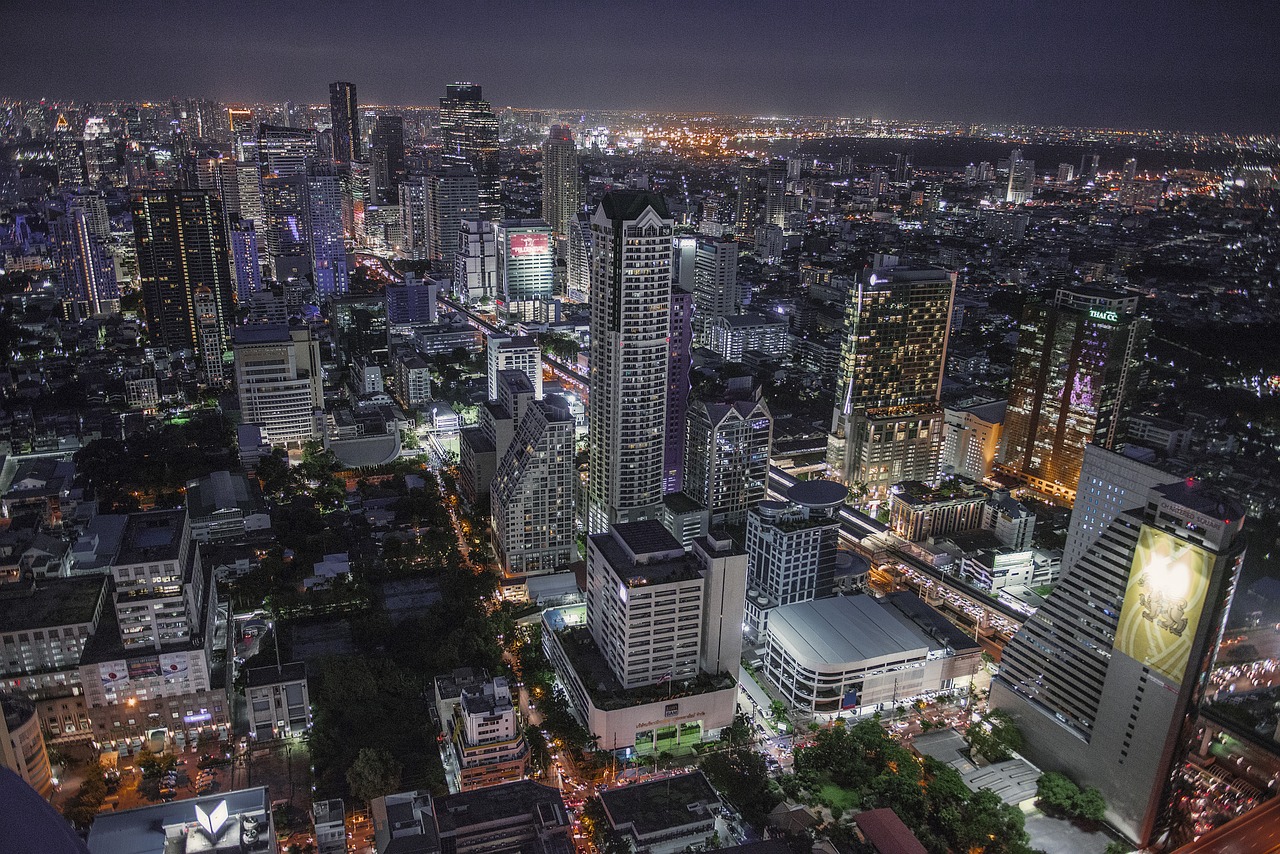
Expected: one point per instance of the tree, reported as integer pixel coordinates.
(1056, 793)
(1116, 847)
(995, 736)
(1089, 805)
(374, 774)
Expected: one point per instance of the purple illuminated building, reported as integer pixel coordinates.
(681, 339)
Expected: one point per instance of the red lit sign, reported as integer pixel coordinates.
(529, 244)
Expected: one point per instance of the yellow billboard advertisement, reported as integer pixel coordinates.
(1168, 583)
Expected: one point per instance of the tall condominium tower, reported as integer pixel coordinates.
(715, 283)
(1077, 362)
(578, 274)
(469, 129)
(1105, 680)
(452, 196)
(346, 122)
(887, 424)
(750, 208)
(630, 322)
(386, 160)
(775, 192)
(514, 353)
(182, 247)
(86, 273)
(325, 239)
(726, 463)
(559, 180)
(475, 261)
(414, 234)
(245, 268)
(533, 488)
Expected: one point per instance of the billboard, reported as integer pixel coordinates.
(114, 675)
(1163, 601)
(523, 245)
(143, 668)
(174, 667)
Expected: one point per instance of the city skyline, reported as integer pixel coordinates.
(986, 62)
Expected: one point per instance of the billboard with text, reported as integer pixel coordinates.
(526, 245)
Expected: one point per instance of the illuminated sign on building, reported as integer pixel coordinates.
(529, 244)
(1168, 583)
(1106, 315)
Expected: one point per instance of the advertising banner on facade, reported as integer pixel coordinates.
(523, 245)
(1165, 597)
(144, 668)
(173, 666)
(114, 675)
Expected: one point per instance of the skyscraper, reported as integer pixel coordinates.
(475, 262)
(526, 267)
(715, 283)
(681, 360)
(749, 210)
(386, 161)
(726, 464)
(1074, 372)
(559, 180)
(244, 257)
(533, 488)
(1022, 179)
(578, 273)
(414, 242)
(182, 247)
(630, 322)
(775, 192)
(887, 424)
(284, 157)
(469, 129)
(324, 233)
(346, 122)
(452, 196)
(86, 273)
(278, 380)
(1105, 680)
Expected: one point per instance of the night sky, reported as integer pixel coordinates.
(1181, 64)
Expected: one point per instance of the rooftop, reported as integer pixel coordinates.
(645, 553)
(456, 813)
(887, 833)
(152, 536)
(630, 204)
(662, 805)
(221, 490)
(50, 602)
(141, 830)
(291, 671)
(844, 630)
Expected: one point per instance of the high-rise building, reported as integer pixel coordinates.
(1105, 680)
(681, 360)
(775, 192)
(1022, 179)
(475, 263)
(285, 156)
(749, 210)
(86, 273)
(532, 492)
(1076, 366)
(715, 283)
(971, 438)
(726, 463)
(182, 247)
(386, 159)
(415, 244)
(514, 353)
(345, 114)
(325, 238)
(1112, 481)
(278, 379)
(211, 335)
(630, 324)
(578, 273)
(360, 328)
(245, 268)
(791, 549)
(560, 190)
(526, 267)
(887, 424)
(469, 129)
(452, 196)
(68, 154)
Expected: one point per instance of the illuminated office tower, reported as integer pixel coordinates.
(526, 267)
(324, 234)
(99, 152)
(726, 464)
(68, 154)
(630, 322)
(286, 151)
(182, 247)
(887, 423)
(680, 362)
(1022, 179)
(559, 180)
(514, 353)
(749, 210)
(245, 268)
(715, 283)
(475, 263)
(775, 192)
(452, 196)
(1074, 372)
(532, 492)
(86, 273)
(284, 157)
(1105, 680)
(414, 242)
(469, 129)
(249, 193)
(94, 208)
(579, 260)
(346, 122)
(386, 159)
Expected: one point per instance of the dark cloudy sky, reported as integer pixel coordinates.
(1194, 64)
